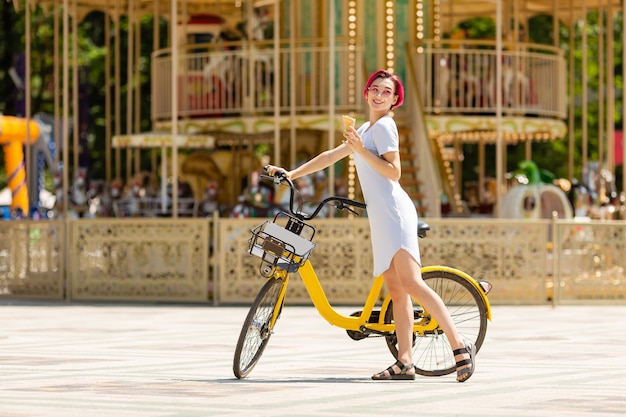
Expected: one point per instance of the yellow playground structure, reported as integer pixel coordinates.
(15, 132)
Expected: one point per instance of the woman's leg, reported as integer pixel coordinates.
(402, 315)
(405, 277)
(403, 318)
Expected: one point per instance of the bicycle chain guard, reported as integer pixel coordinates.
(359, 335)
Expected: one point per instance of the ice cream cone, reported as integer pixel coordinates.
(348, 122)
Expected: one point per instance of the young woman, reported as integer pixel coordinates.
(393, 222)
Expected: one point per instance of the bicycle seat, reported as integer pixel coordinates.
(422, 228)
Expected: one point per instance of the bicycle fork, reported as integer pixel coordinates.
(278, 308)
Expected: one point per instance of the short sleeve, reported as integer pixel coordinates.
(385, 136)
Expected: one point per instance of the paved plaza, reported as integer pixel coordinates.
(176, 361)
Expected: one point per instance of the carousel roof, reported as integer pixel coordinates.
(163, 139)
(475, 129)
(452, 11)
(146, 7)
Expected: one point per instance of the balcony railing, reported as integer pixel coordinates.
(237, 78)
(460, 77)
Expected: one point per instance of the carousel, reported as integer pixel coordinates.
(501, 92)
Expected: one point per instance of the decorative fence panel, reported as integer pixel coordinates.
(511, 255)
(185, 260)
(140, 259)
(591, 260)
(31, 259)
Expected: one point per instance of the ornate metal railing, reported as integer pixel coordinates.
(459, 76)
(206, 260)
(455, 77)
(237, 78)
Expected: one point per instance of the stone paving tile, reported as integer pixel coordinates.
(176, 361)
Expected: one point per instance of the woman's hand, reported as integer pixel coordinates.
(353, 140)
(273, 170)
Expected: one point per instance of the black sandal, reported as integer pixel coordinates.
(470, 349)
(392, 373)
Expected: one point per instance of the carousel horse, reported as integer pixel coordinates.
(599, 183)
(78, 192)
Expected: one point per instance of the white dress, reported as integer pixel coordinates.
(392, 214)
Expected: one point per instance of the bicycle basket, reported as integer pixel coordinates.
(278, 247)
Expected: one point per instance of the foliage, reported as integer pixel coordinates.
(92, 52)
(91, 57)
(554, 155)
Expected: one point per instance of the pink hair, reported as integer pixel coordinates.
(394, 78)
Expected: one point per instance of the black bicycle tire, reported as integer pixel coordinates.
(255, 332)
(460, 316)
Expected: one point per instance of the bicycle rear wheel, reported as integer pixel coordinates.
(257, 327)
(432, 353)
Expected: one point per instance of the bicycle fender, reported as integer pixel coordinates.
(467, 277)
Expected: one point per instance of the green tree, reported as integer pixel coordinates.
(554, 156)
(92, 52)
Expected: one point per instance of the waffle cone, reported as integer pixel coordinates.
(347, 122)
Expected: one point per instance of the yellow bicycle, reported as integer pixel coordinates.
(284, 245)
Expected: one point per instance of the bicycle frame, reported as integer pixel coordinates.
(330, 314)
(323, 306)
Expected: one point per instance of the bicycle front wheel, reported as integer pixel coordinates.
(257, 327)
(432, 353)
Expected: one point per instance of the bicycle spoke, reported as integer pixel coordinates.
(256, 329)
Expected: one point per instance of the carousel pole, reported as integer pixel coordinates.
(601, 95)
(572, 103)
(118, 94)
(249, 19)
(75, 106)
(331, 92)
(129, 87)
(277, 77)
(174, 46)
(27, 103)
(623, 100)
(66, 106)
(164, 152)
(500, 149)
(107, 95)
(65, 138)
(555, 22)
(521, 97)
(292, 82)
(137, 104)
(57, 85)
(156, 42)
(585, 95)
(610, 98)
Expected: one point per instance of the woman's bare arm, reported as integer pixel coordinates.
(321, 161)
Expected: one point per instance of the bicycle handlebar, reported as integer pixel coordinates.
(342, 203)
